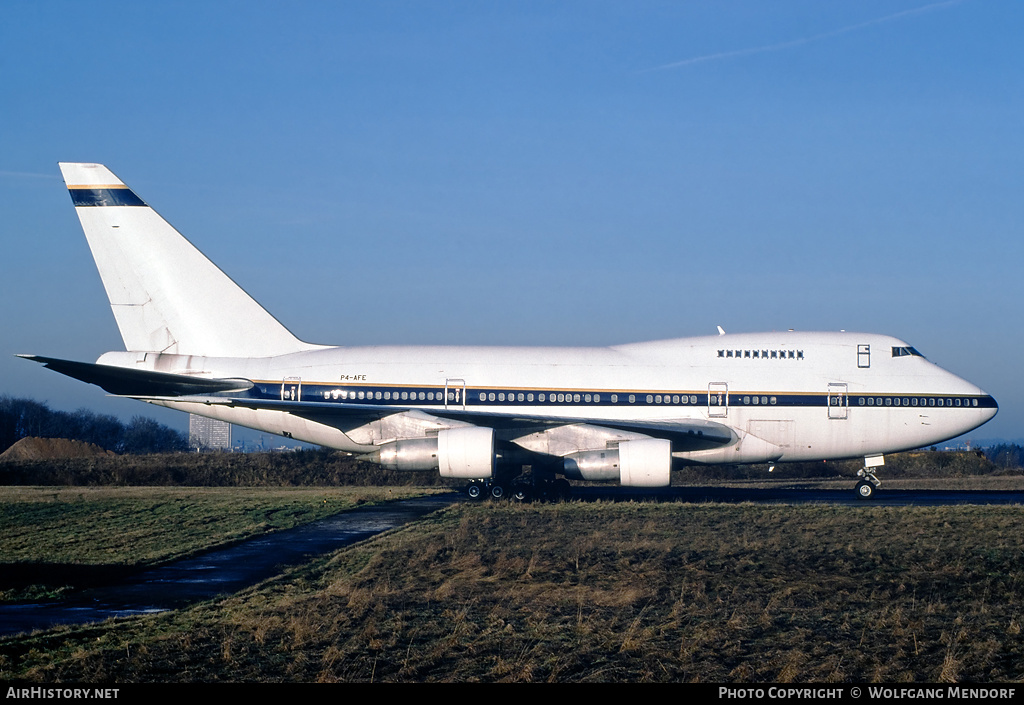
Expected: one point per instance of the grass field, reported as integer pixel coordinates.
(48, 534)
(584, 592)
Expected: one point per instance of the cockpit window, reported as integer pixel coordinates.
(902, 352)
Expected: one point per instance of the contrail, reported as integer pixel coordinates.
(26, 175)
(805, 40)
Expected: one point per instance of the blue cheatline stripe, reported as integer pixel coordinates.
(392, 396)
(105, 197)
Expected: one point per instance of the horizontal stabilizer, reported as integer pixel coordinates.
(128, 382)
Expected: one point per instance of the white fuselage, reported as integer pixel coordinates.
(787, 396)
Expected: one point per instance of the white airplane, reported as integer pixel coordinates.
(197, 342)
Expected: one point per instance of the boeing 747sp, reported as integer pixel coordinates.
(196, 342)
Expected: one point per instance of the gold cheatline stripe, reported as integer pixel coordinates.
(96, 187)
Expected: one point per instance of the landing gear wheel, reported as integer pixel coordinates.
(474, 491)
(521, 493)
(497, 491)
(865, 490)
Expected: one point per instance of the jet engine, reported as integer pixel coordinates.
(643, 462)
(462, 453)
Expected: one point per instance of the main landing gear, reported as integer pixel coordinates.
(482, 489)
(520, 490)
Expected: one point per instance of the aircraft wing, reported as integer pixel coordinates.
(145, 385)
(685, 435)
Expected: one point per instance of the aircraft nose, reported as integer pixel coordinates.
(984, 404)
(992, 408)
(987, 406)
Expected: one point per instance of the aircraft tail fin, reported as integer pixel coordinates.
(166, 295)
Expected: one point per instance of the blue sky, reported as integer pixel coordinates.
(564, 173)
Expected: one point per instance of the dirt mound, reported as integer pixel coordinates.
(51, 449)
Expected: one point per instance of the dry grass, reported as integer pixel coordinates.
(75, 535)
(598, 593)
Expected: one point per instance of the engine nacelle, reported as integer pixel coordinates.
(408, 454)
(646, 462)
(462, 453)
(466, 453)
(643, 462)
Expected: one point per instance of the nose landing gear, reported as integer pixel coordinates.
(865, 490)
(869, 483)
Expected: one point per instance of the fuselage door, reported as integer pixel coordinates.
(291, 389)
(863, 356)
(838, 400)
(718, 400)
(455, 394)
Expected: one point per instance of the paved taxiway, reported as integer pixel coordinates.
(231, 569)
(801, 495)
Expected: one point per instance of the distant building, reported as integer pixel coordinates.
(208, 434)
